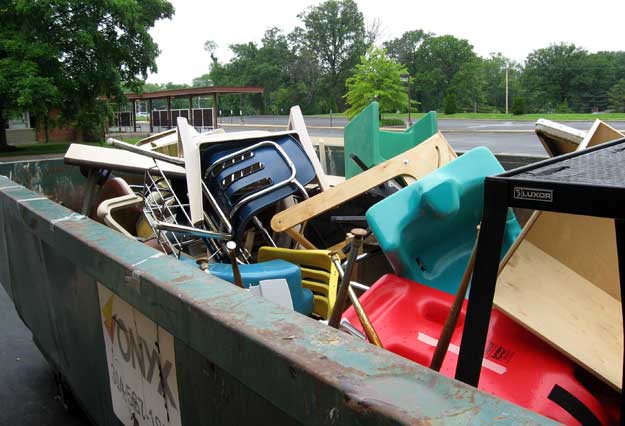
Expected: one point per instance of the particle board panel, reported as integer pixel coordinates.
(564, 309)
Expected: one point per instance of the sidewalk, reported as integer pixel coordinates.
(27, 390)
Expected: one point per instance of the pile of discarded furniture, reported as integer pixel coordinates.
(256, 209)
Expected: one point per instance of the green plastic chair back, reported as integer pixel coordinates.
(373, 146)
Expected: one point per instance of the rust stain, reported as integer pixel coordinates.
(182, 279)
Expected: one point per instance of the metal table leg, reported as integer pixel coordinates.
(619, 226)
(483, 284)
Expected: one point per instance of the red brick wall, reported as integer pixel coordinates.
(58, 134)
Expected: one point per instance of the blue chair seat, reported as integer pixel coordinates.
(252, 274)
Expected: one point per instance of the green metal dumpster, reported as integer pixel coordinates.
(142, 339)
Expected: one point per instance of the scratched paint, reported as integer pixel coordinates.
(141, 365)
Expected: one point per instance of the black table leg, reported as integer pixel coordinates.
(483, 283)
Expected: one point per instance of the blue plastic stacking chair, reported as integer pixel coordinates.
(428, 229)
(252, 274)
(245, 177)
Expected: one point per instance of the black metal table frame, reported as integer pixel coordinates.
(504, 191)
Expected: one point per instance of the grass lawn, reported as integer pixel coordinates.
(54, 147)
(510, 117)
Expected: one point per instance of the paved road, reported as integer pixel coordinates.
(500, 136)
(445, 124)
(518, 143)
(27, 388)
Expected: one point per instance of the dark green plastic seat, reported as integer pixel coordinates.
(373, 146)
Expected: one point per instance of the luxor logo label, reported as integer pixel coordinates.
(533, 194)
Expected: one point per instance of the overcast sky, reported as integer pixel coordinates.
(513, 28)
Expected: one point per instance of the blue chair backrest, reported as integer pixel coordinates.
(252, 274)
(428, 229)
(251, 172)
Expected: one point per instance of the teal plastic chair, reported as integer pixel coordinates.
(373, 146)
(252, 274)
(427, 230)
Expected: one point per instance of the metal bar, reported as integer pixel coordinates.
(169, 120)
(191, 109)
(372, 335)
(454, 312)
(215, 126)
(196, 232)
(359, 286)
(483, 284)
(357, 236)
(619, 227)
(152, 154)
(231, 246)
(150, 115)
(264, 231)
(216, 207)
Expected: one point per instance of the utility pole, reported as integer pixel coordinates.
(405, 78)
(506, 90)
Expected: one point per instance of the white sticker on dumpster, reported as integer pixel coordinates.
(141, 365)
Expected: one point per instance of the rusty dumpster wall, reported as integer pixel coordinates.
(239, 358)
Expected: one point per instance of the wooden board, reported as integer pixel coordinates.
(585, 244)
(156, 137)
(297, 124)
(565, 309)
(192, 165)
(600, 132)
(558, 138)
(116, 159)
(416, 163)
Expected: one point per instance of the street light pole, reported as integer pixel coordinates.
(406, 78)
(506, 90)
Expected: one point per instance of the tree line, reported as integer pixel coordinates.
(310, 66)
(61, 60)
(64, 60)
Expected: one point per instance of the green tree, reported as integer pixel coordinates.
(69, 54)
(450, 104)
(518, 106)
(493, 75)
(304, 76)
(335, 31)
(438, 60)
(265, 65)
(404, 49)
(468, 86)
(210, 46)
(616, 96)
(376, 78)
(552, 75)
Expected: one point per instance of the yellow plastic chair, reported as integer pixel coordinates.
(318, 274)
